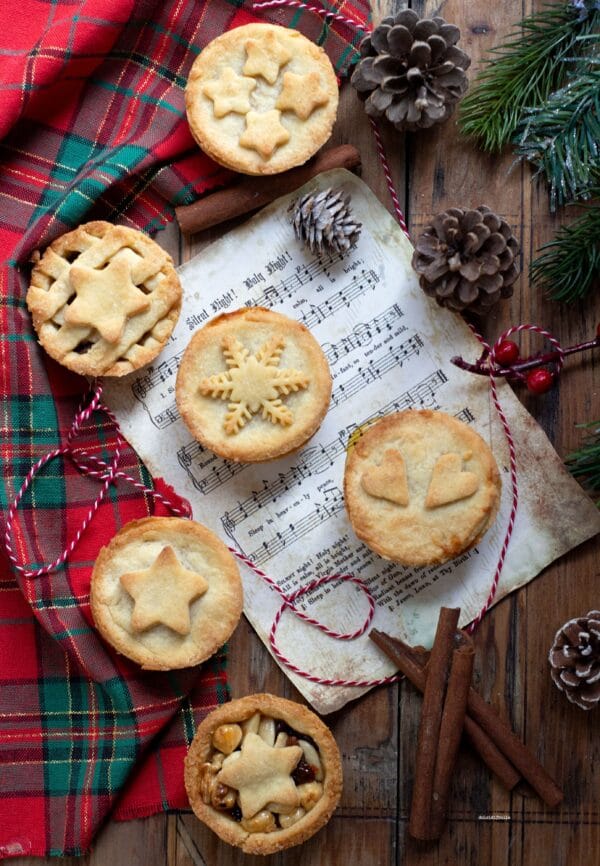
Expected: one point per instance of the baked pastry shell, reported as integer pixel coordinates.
(208, 633)
(260, 440)
(398, 535)
(301, 719)
(214, 136)
(128, 354)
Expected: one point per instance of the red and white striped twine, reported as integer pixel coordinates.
(109, 473)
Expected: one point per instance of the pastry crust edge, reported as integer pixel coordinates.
(494, 482)
(143, 355)
(301, 719)
(229, 156)
(322, 383)
(101, 612)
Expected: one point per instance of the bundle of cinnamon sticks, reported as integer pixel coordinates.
(450, 707)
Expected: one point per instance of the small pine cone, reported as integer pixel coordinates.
(575, 660)
(411, 71)
(324, 222)
(467, 259)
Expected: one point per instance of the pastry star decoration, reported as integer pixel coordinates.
(230, 92)
(265, 56)
(264, 132)
(253, 383)
(301, 94)
(262, 775)
(105, 298)
(163, 593)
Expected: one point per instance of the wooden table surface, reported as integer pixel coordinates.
(377, 734)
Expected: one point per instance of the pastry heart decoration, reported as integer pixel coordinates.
(388, 480)
(449, 481)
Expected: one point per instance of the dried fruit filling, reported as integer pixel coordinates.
(263, 773)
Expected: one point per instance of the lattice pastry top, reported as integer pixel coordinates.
(421, 487)
(261, 98)
(253, 385)
(165, 592)
(264, 773)
(104, 299)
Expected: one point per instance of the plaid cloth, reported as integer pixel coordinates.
(92, 127)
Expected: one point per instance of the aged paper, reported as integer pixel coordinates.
(389, 348)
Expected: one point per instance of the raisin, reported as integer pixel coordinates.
(236, 813)
(303, 773)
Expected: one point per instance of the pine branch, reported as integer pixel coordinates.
(562, 137)
(570, 264)
(524, 72)
(584, 463)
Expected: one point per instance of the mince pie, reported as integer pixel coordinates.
(264, 773)
(104, 299)
(261, 98)
(253, 385)
(166, 592)
(421, 487)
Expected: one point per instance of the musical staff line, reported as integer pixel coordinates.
(377, 367)
(220, 470)
(354, 289)
(319, 458)
(322, 512)
(362, 334)
(278, 292)
(154, 376)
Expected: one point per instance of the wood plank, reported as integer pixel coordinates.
(339, 843)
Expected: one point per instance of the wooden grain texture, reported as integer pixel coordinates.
(377, 735)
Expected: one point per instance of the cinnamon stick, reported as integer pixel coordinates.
(483, 719)
(411, 662)
(516, 751)
(251, 193)
(451, 727)
(438, 668)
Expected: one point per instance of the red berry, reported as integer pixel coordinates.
(539, 381)
(506, 353)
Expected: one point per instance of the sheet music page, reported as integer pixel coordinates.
(389, 348)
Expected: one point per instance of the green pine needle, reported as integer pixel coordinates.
(570, 264)
(584, 464)
(562, 137)
(524, 72)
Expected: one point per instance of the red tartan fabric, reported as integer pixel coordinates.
(91, 126)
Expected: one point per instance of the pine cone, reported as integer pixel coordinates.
(324, 222)
(575, 660)
(467, 259)
(411, 70)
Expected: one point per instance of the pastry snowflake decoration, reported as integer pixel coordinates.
(254, 384)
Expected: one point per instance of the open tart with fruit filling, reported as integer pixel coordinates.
(264, 773)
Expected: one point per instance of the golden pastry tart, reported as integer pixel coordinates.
(264, 773)
(421, 487)
(261, 98)
(104, 299)
(165, 592)
(253, 385)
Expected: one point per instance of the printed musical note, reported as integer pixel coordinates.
(285, 289)
(194, 459)
(359, 285)
(465, 415)
(362, 334)
(319, 458)
(155, 376)
(376, 368)
(322, 512)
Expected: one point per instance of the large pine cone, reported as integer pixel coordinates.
(467, 259)
(411, 70)
(575, 660)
